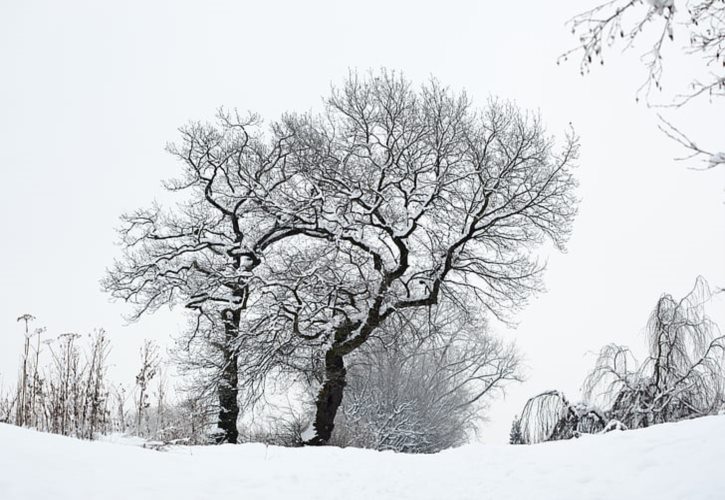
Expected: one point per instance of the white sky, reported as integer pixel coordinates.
(91, 91)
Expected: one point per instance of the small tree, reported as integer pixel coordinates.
(120, 420)
(6, 407)
(515, 436)
(147, 372)
(95, 405)
(161, 417)
(64, 385)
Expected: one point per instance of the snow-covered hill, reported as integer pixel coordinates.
(675, 461)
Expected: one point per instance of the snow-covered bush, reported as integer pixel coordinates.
(426, 388)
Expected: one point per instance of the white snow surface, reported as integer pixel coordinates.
(672, 461)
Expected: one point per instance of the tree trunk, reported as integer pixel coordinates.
(329, 398)
(228, 388)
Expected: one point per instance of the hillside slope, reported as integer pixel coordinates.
(685, 460)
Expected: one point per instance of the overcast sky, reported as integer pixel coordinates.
(90, 92)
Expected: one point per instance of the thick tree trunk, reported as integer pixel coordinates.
(228, 385)
(329, 398)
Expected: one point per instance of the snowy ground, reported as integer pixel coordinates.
(675, 461)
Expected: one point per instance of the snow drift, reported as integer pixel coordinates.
(683, 460)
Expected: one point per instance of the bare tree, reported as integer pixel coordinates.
(390, 199)
(624, 21)
(401, 196)
(161, 417)
(550, 416)
(64, 388)
(120, 416)
(683, 375)
(421, 385)
(96, 415)
(203, 251)
(146, 374)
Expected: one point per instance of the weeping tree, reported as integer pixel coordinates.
(682, 377)
(400, 196)
(550, 416)
(202, 251)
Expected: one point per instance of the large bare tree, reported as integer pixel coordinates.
(302, 243)
(399, 196)
(202, 252)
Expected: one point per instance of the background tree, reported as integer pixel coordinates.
(515, 436)
(682, 377)
(550, 416)
(73, 393)
(421, 384)
(401, 196)
(96, 415)
(701, 23)
(683, 374)
(146, 374)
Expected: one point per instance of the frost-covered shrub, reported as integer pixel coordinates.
(187, 421)
(425, 390)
